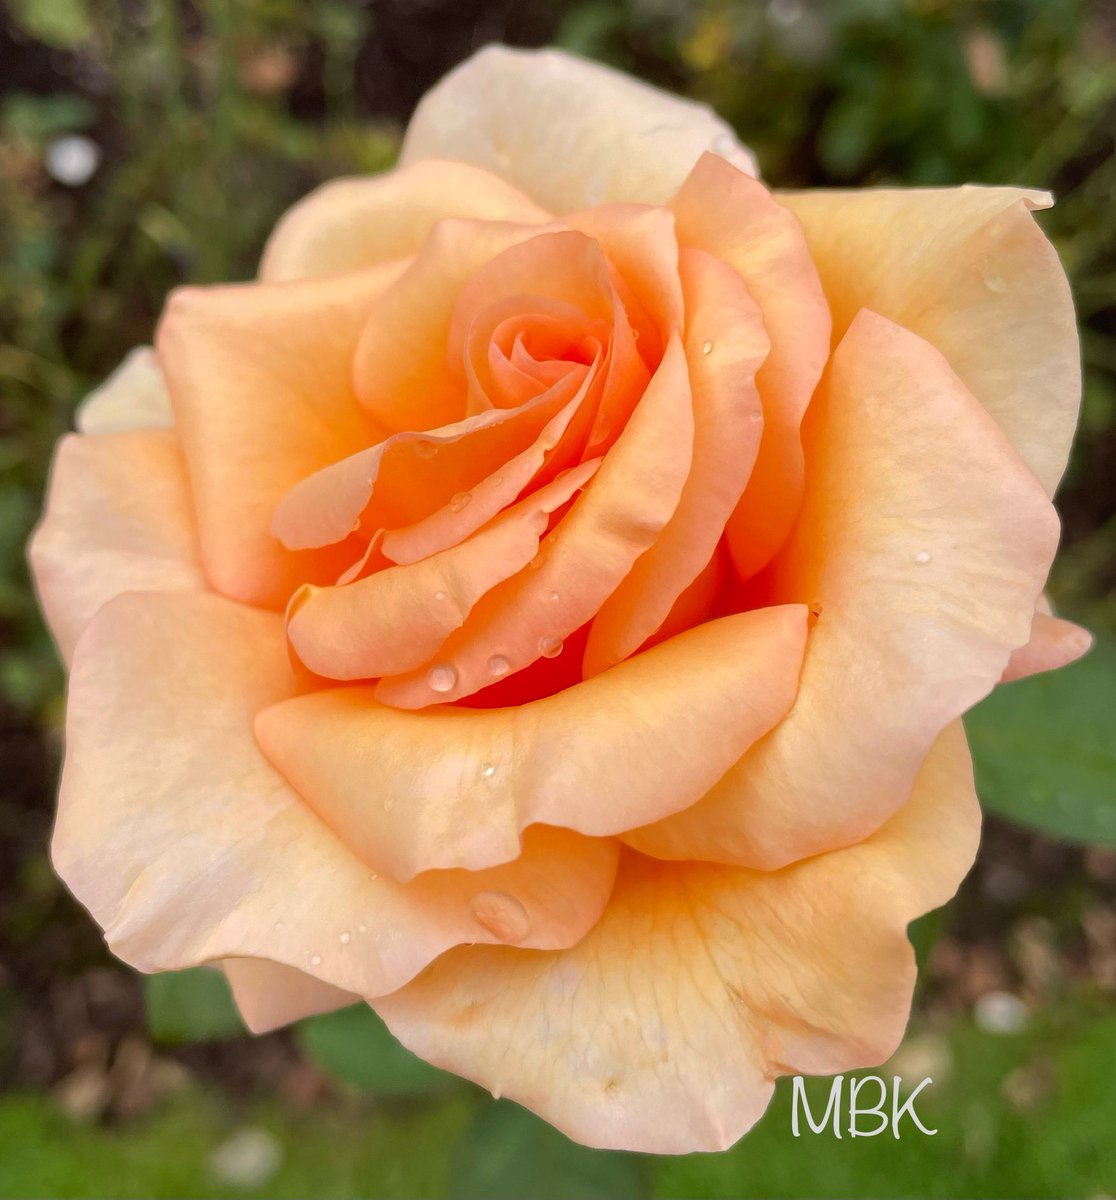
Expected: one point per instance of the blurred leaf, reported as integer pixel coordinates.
(37, 119)
(191, 1006)
(509, 1153)
(354, 1046)
(1044, 749)
(924, 933)
(63, 24)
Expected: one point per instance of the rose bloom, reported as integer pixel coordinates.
(542, 604)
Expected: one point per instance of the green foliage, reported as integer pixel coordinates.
(1044, 749)
(508, 1153)
(1025, 1115)
(355, 1047)
(190, 1006)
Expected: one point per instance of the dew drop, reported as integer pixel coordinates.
(922, 557)
(425, 449)
(995, 282)
(497, 480)
(459, 501)
(552, 597)
(315, 960)
(707, 347)
(502, 915)
(441, 678)
(345, 937)
(362, 928)
(498, 665)
(756, 414)
(439, 595)
(550, 646)
(488, 770)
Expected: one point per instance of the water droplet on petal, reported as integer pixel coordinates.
(345, 937)
(756, 414)
(552, 597)
(425, 449)
(550, 646)
(439, 595)
(707, 347)
(995, 282)
(922, 557)
(502, 915)
(315, 960)
(362, 928)
(498, 665)
(459, 501)
(441, 678)
(488, 770)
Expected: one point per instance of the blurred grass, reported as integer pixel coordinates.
(1047, 1134)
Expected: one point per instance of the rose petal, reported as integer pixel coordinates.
(117, 519)
(969, 270)
(401, 370)
(188, 847)
(1054, 643)
(409, 476)
(456, 788)
(348, 224)
(736, 219)
(269, 994)
(923, 545)
(259, 375)
(570, 133)
(133, 397)
(394, 620)
(592, 548)
(728, 421)
(664, 1028)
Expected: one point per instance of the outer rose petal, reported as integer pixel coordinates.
(347, 224)
(117, 519)
(133, 397)
(969, 270)
(260, 377)
(737, 220)
(269, 994)
(188, 847)
(664, 1028)
(455, 788)
(923, 544)
(568, 132)
(1054, 643)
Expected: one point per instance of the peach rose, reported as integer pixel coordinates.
(542, 605)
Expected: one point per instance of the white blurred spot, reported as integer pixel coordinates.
(786, 12)
(72, 160)
(1000, 1012)
(248, 1159)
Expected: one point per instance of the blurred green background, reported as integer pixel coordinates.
(148, 143)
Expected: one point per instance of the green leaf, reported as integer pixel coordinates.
(63, 24)
(1044, 749)
(354, 1046)
(508, 1153)
(191, 1006)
